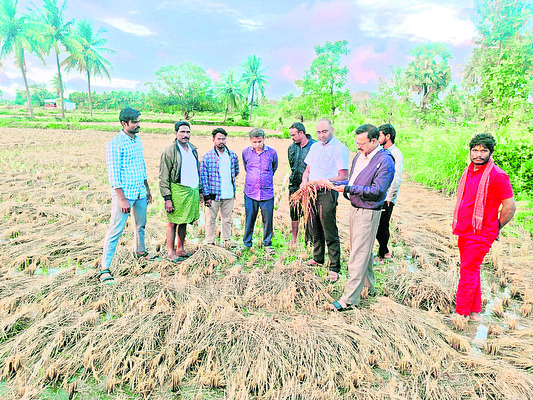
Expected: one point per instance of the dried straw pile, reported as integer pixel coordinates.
(253, 331)
(429, 289)
(161, 334)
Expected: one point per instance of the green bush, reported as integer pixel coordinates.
(517, 160)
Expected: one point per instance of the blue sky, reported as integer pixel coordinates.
(219, 35)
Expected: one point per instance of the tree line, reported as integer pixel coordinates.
(495, 87)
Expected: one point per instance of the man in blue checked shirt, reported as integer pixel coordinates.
(219, 168)
(127, 177)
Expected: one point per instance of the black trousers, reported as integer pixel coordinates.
(383, 234)
(324, 228)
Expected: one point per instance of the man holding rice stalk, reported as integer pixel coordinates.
(370, 178)
(327, 162)
(483, 188)
(180, 186)
(127, 176)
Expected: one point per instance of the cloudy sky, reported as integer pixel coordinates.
(219, 35)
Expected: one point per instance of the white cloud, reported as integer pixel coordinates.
(249, 25)
(11, 90)
(417, 20)
(125, 25)
(117, 83)
(246, 23)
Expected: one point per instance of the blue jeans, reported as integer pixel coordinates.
(116, 226)
(251, 208)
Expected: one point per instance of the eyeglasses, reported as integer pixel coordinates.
(362, 144)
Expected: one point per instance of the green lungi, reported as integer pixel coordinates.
(186, 203)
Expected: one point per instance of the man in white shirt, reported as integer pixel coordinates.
(179, 182)
(328, 159)
(387, 137)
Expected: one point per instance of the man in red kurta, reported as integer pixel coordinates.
(478, 219)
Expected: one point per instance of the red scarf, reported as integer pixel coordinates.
(481, 198)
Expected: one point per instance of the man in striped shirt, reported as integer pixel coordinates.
(127, 176)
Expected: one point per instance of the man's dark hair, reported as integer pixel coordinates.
(484, 139)
(299, 126)
(180, 123)
(219, 130)
(388, 129)
(128, 114)
(257, 132)
(373, 132)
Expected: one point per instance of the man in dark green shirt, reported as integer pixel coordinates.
(297, 153)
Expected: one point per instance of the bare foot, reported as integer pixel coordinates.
(475, 316)
(456, 315)
(333, 276)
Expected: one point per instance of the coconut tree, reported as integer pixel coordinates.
(56, 31)
(230, 91)
(87, 57)
(253, 78)
(18, 37)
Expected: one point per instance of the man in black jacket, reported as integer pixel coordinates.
(297, 153)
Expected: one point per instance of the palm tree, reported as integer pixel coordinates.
(429, 73)
(18, 37)
(56, 31)
(54, 82)
(230, 91)
(87, 57)
(253, 78)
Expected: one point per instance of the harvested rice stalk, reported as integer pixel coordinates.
(305, 198)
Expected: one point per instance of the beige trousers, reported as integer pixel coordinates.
(363, 228)
(225, 206)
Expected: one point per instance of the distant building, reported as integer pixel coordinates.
(69, 105)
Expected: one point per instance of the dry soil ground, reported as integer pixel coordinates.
(253, 326)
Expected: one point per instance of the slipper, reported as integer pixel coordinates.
(338, 307)
(333, 276)
(313, 263)
(108, 279)
(147, 256)
(186, 255)
(175, 260)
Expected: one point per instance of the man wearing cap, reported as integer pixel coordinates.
(180, 186)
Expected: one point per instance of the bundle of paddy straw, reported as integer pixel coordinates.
(305, 197)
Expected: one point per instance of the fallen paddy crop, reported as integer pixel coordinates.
(248, 326)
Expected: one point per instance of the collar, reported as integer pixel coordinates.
(373, 153)
(128, 136)
(218, 152)
(179, 147)
(480, 169)
(325, 144)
